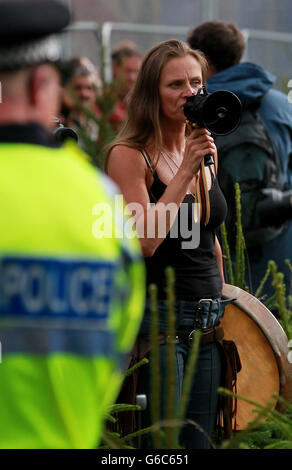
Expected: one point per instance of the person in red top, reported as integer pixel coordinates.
(80, 91)
(126, 62)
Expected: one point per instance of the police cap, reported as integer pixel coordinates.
(28, 32)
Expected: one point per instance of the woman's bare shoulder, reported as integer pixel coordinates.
(122, 156)
(125, 150)
(127, 167)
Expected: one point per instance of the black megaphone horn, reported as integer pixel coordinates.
(219, 112)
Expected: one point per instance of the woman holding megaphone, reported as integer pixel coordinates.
(157, 161)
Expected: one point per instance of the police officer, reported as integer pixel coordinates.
(70, 297)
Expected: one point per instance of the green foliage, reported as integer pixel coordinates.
(155, 368)
(113, 439)
(165, 432)
(284, 79)
(171, 441)
(274, 432)
(239, 252)
(270, 429)
(279, 302)
(95, 148)
(235, 271)
(228, 256)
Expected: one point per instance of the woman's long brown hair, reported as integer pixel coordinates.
(141, 128)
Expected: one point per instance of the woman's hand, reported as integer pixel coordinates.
(198, 144)
(128, 169)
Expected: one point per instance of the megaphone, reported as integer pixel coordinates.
(63, 133)
(219, 112)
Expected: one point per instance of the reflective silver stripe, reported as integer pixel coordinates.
(43, 342)
(34, 52)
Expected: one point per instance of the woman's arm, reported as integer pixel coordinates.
(128, 169)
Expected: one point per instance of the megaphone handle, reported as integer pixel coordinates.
(209, 160)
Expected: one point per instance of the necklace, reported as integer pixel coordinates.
(167, 158)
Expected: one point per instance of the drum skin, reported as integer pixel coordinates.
(263, 348)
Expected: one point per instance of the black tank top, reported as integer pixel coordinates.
(196, 269)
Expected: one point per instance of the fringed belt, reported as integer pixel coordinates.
(209, 335)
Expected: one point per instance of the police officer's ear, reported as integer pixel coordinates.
(42, 78)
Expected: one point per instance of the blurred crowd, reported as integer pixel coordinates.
(84, 93)
(96, 110)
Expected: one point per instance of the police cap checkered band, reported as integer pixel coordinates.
(32, 53)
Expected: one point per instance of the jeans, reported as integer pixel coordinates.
(203, 397)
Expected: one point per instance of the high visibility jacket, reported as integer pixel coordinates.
(71, 298)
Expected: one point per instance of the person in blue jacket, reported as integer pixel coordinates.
(223, 45)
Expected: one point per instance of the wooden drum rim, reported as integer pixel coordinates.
(271, 329)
